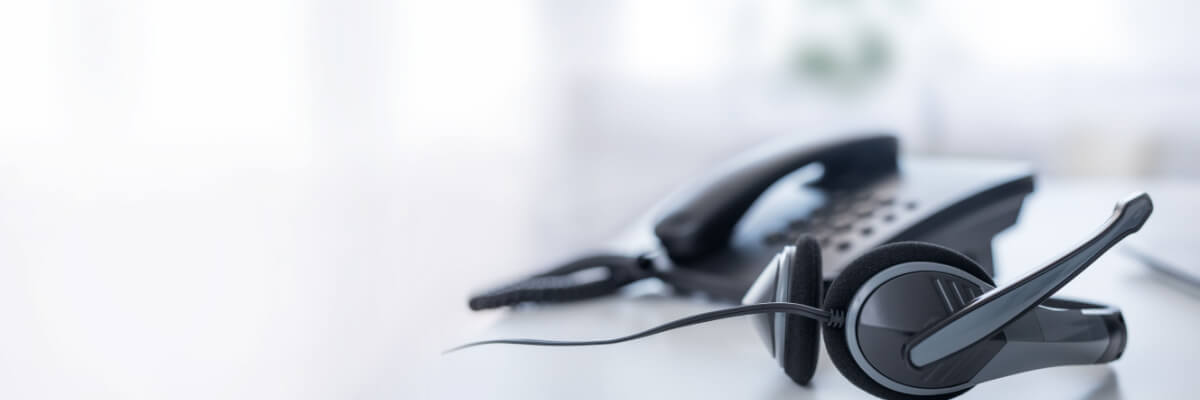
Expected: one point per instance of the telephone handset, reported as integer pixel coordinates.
(851, 193)
(702, 221)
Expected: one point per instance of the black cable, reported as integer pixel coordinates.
(761, 308)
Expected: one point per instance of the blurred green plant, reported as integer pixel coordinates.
(855, 54)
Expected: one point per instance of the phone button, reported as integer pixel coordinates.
(842, 223)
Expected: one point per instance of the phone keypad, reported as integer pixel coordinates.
(847, 218)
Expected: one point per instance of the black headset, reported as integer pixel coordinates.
(919, 320)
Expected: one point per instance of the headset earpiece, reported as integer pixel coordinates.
(875, 262)
(797, 349)
(793, 276)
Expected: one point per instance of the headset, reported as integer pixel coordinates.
(918, 320)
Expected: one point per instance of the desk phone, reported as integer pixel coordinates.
(714, 236)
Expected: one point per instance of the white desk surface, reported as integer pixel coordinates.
(725, 360)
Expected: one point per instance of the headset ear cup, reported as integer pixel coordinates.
(802, 335)
(844, 288)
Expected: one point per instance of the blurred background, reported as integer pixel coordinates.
(280, 199)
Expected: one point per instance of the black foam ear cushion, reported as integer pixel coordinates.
(843, 289)
(802, 335)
